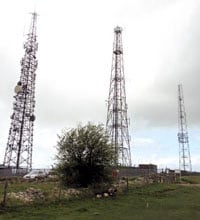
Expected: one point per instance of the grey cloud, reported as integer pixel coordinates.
(159, 106)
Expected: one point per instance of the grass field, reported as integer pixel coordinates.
(149, 202)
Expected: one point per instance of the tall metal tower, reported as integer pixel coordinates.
(20, 140)
(117, 121)
(184, 149)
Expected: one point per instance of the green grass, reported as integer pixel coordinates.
(17, 185)
(191, 179)
(150, 202)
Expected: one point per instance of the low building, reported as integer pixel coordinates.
(5, 171)
(141, 170)
(150, 167)
(11, 171)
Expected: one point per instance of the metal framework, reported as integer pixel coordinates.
(19, 148)
(184, 148)
(117, 122)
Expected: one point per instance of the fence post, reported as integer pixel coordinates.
(5, 194)
(127, 183)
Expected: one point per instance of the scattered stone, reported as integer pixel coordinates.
(96, 213)
(28, 196)
(105, 195)
(98, 196)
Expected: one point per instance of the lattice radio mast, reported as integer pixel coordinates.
(117, 122)
(184, 148)
(20, 140)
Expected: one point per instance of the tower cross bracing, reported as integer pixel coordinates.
(19, 147)
(117, 121)
(183, 139)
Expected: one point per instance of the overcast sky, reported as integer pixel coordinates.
(161, 40)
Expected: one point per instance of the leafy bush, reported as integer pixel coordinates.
(84, 156)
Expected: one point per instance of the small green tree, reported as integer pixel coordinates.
(84, 156)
